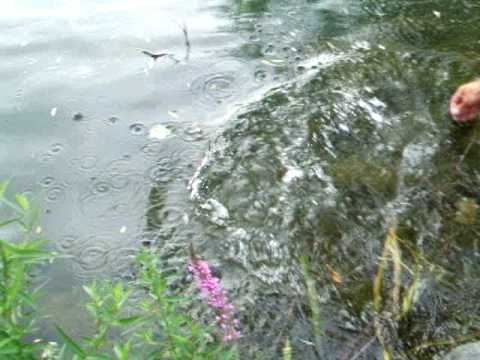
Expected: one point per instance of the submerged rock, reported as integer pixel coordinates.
(465, 352)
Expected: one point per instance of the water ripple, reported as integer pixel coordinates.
(217, 87)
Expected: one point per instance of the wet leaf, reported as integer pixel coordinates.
(30, 254)
(22, 201)
(130, 320)
(8, 222)
(91, 291)
(122, 351)
(3, 187)
(335, 276)
(15, 285)
(72, 345)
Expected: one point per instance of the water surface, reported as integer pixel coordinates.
(287, 129)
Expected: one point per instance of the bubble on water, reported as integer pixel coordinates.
(56, 148)
(19, 93)
(46, 157)
(112, 120)
(163, 217)
(192, 133)
(138, 129)
(121, 173)
(68, 244)
(214, 88)
(56, 193)
(93, 256)
(121, 261)
(88, 162)
(120, 209)
(91, 261)
(47, 181)
(152, 149)
(260, 75)
(78, 116)
(101, 187)
(19, 99)
(161, 172)
(301, 69)
(269, 49)
(224, 82)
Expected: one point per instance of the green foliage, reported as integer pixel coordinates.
(152, 326)
(17, 300)
(158, 329)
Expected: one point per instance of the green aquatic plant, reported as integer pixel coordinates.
(313, 301)
(353, 171)
(390, 302)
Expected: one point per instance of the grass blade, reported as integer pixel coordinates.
(3, 187)
(72, 345)
(22, 201)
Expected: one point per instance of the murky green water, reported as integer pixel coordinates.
(290, 129)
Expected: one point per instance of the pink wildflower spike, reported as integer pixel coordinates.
(210, 287)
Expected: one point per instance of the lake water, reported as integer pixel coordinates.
(282, 130)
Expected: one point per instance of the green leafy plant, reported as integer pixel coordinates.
(160, 329)
(150, 326)
(17, 260)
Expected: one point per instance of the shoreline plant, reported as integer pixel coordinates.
(152, 325)
(210, 288)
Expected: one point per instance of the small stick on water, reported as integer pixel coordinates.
(188, 45)
(158, 55)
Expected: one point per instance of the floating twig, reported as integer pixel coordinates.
(187, 40)
(154, 56)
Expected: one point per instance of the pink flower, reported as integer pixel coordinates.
(210, 287)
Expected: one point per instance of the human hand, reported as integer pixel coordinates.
(465, 103)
